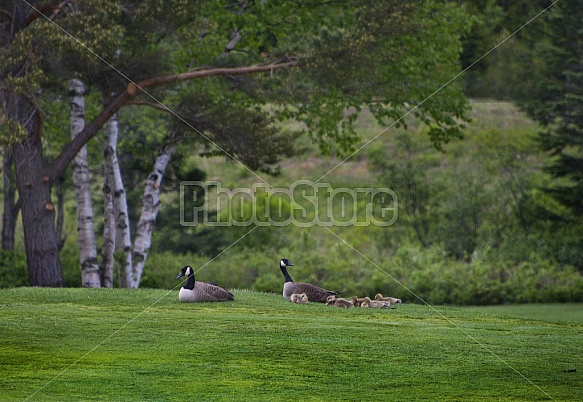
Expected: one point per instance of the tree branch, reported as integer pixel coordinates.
(58, 166)
(258, 68)
(52, 7)
(149, 104)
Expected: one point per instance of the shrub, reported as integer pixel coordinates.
(13, 269)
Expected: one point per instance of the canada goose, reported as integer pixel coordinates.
(367, 302)
(313, 292)
(200, 291)
(356, 301)
(338, 302)
(392, 300)
(299, 298)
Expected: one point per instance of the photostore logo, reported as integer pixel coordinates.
(303, 204)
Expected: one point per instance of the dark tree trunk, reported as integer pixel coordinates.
(11, 207)
(38, 214)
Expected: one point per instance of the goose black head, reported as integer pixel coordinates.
(285, 263)
(186, 271)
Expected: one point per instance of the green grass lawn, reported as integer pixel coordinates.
(565, 313)
(97, 344)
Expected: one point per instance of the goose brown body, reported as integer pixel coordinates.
(313, 292)
(195, 292)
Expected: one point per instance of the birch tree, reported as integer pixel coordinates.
(150, 207)
(81, 181)
(123, 242)
(108, 248)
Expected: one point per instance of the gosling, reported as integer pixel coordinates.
(338, 302)
(392, 300)
(367, 302)
(299, 298)
(357, 301)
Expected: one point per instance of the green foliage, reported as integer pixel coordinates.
(11, 131)
(70, 263)
(161, 269)
(359, 64)
(405, 174)
(13, 270)
(492, 52)
(552, 94)
(542, 64)
(35, 54)
(74, 344)
(229, 127)
(481, 191)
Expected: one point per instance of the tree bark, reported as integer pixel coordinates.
(123, 242)
(81, 181)
(38, 214)
(150, 208)
(60, 193)
(107, 252)
(11, 207)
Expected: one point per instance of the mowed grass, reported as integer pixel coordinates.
(561, 313)
(120, 344)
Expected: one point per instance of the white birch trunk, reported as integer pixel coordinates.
(86, 235)
(107, 252)
(123, 242)
(150, 208)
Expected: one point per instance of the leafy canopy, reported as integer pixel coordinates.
(388, 56)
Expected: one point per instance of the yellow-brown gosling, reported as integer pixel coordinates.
(338, 302)
(392, 300)
(299, 298)
(375, 303)
(357, 301)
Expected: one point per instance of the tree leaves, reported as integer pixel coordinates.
(551, 92)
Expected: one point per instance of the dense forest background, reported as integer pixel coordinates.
(489, 215)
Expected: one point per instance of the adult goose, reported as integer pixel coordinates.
(314, 293)
(194, 292)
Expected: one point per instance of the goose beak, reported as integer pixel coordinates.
(180, 275)
(289, 264)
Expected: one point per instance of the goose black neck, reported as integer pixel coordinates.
(189, 282)
(285, 273)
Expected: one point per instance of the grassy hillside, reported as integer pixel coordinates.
(97, 344)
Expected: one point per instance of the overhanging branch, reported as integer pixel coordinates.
(258, 68)
(58, 166)
(156, 106)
